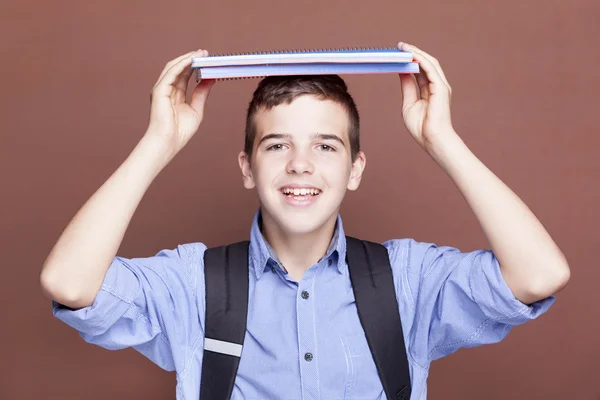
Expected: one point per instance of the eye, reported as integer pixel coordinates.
(275, 147)
(326, 147)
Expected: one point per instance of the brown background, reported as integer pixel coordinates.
(76, 78)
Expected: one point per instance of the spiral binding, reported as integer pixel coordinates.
(240, 78)
(280, 51)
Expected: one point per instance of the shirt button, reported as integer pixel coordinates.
(308, 357)
(305, 294)
(330, 261)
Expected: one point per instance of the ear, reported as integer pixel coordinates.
(244, 162)
(358, 166)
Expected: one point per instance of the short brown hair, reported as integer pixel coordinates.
(275, 90)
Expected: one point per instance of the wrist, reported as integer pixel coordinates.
(447, 150)
(155, 150)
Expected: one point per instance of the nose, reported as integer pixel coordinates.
(299, 163)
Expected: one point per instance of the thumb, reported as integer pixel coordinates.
(200, 94)
(410, 93)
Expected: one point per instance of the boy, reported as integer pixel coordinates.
(304, 339)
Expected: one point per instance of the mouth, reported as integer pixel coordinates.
(300, 195)
(288, 191)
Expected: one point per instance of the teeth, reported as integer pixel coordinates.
(301, 192)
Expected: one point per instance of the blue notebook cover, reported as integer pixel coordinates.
(327, 56)
(248, 71)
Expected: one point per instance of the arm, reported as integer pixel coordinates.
(74, 270)
(531, 263)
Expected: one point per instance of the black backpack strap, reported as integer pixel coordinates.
(226, 277)
(373, 285)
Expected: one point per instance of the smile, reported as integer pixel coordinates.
(300, 196)
(300, 191)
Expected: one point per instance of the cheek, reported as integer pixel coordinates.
(267, 172)
(336, 173)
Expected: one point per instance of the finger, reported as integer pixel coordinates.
(170, 64)
(423, 83)
(410, 91)
(182, 81)
(432, 60)
(165, 85)
(200, 94)
(426, 65)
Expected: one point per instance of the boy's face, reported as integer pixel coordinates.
(301, 163)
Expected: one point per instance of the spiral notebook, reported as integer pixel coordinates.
(305, 62)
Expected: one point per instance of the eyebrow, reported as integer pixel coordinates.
(288, 136)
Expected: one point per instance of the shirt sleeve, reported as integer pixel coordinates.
(459, 299)
(144, 303)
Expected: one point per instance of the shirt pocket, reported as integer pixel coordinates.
(362, 379)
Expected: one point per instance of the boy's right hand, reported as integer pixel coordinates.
(172, 121)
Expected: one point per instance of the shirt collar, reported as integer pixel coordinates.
(261, 252)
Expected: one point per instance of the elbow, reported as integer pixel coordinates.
(548, 283)
(53, 288)
(48, 283)
(562, 277)
(555, 280)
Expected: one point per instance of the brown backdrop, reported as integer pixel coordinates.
(76, 78)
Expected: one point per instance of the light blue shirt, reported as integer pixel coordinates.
(447, 300)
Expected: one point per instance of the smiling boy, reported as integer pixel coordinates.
(303, 335)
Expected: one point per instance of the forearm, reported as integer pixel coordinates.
(75, 268)
(531, 263)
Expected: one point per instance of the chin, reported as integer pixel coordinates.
(298, 222)
(302, 213)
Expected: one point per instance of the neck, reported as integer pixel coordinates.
(298, 251)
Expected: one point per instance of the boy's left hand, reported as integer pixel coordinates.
(426, 100)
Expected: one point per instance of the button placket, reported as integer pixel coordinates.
(305, 312)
